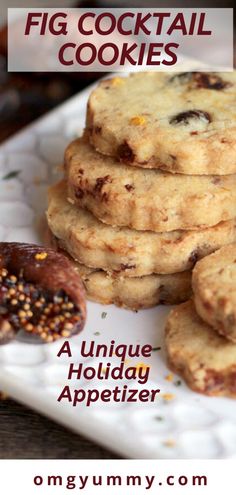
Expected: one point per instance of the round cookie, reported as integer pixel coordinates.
(206, 360)
(125, 251)
(214, 286)
(183, 123)
(146, 199)
(137, 292)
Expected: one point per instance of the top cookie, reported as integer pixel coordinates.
(214, 286)
(182, 123)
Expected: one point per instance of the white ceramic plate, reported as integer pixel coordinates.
(188, 425)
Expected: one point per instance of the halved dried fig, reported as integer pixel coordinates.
(40, 292)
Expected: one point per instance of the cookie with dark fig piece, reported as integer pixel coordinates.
(214, 285)
(182, 123)
(40, 292)
(205, 359)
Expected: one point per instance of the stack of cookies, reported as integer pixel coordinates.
(150, 187)
(201, 334)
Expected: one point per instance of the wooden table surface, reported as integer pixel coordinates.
(25, 434)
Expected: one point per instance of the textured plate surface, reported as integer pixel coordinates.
(180, 424)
